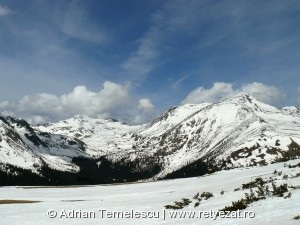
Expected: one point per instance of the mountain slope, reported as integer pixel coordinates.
(99, 135)
(24, 147)
(239, 131)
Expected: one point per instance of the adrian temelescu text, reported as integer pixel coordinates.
(128, 214)
(103, 213)
(76, 214)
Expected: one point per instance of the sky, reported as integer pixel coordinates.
(133, 59)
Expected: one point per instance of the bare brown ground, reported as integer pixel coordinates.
(12, 201)
(67, 186)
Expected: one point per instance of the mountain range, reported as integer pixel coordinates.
(188, 140)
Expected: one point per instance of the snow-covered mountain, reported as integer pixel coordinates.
(101, 136)
(239, 131)
(183, 141)
(24, 147)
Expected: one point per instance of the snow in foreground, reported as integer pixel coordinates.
(153, 196)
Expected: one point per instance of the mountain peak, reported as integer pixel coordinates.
(242, 97)
(112, 120)
(81, 117)
(245, 99)
(291, 109)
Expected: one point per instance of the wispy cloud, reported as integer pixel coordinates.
(75, 24)
(176, 23)
(245, 27)
(166, 23)
(178, 82)
(142, 61)
(37, 49)
(4, 11)
(175, 85)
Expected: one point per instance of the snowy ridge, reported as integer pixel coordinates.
(291, 110)
(99, 135)
(172, 117)
(239, 131)
(26, 148)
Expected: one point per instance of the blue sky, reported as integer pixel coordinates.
(133, 59)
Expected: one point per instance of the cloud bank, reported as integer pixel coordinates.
(113, 100)
(220, 90)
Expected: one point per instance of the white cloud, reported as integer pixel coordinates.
(4, 11)
(111, 100)
(4, 104)
(111, 97)
(265, 93)
(138, 119)
(220, 90)
(146, 111)
(145, 105)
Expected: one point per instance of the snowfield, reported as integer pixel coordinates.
(153, 196)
